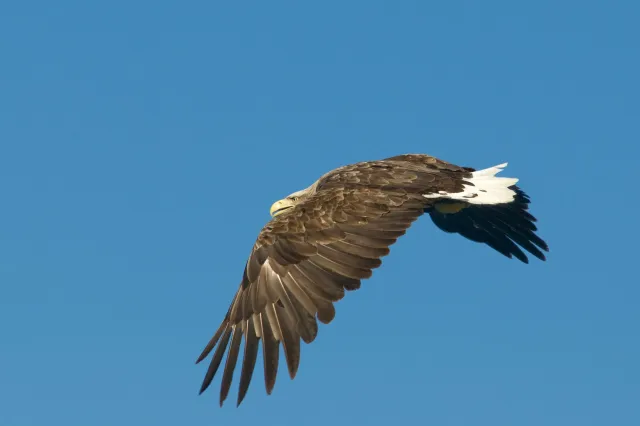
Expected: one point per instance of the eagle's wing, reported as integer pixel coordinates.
(302, 262)
(305, 259)
(503, 227)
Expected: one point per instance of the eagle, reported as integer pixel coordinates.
(324, 240)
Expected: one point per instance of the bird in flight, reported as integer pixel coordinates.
(325, 239)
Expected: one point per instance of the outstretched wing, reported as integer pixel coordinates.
(302, 262)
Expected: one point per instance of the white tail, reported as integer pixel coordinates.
(487, 188)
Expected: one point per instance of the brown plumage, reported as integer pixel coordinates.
(324, 240)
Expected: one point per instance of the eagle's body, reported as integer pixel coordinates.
(325, 239)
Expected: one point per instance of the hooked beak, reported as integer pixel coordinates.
(280, 206)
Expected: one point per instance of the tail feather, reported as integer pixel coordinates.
(483, 187)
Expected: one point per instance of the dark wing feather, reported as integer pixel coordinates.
(248, 361)
(503, 227)
(270, 351)
(230, 365)
(290, 340)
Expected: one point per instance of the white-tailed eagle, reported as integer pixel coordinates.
(325, 239)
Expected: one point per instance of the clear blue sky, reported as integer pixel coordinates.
(142, 144)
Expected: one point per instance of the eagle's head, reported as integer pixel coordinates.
(288, 202)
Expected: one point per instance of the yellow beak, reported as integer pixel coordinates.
(279, 206)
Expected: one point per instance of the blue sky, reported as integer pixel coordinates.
(141, 145)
